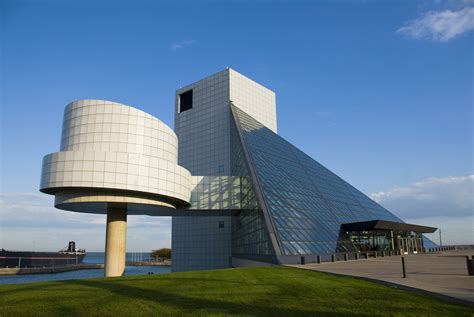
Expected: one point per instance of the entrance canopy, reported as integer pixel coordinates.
(376, 225)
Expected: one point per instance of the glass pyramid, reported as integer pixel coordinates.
(250, 238)
(298, 204)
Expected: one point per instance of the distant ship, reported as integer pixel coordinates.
(65, 256)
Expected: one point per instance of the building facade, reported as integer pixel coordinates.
(205, 148)
(239, 194)
(290, 205)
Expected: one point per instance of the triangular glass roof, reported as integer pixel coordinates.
(303, 202)
(250, 236)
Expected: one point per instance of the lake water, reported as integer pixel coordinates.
(91, 257)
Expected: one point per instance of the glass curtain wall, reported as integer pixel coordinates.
(250, 239)
(307, 202)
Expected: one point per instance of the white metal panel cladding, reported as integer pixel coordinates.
(115, 170)
(99, 125)
(111, 146)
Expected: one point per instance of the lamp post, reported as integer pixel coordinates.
(440, 240)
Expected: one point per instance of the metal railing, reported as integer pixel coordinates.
(335, 257)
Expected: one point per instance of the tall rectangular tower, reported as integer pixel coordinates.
(203, 126)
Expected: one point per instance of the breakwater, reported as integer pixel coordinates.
(45, 270)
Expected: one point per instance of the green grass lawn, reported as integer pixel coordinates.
(276, 291)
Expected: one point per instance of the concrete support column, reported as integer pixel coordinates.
(115, 240)
(392, 239)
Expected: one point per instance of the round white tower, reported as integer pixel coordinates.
(115, 160)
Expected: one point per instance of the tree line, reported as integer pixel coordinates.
(164, 253)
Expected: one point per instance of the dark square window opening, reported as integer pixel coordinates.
(221, 224)
(186, 100)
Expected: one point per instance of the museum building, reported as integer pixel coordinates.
(239, 194)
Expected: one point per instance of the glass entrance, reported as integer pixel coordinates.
(407, 242)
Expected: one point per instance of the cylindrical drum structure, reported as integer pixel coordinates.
(115, 157)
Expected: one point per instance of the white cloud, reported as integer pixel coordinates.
(444, 197)
(30, 221)
(182, 44)
(459, 230)
(440, 26)
(446, 203)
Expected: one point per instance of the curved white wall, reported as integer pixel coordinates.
(110, 146)
(99, 125)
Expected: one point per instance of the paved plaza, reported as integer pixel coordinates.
(443, 273)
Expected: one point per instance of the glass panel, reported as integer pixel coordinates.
(250, 238)
(307, 202)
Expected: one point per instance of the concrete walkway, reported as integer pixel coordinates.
(442, 273)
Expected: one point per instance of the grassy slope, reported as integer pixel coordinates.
(247, 291)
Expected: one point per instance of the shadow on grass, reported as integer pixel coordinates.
(256, 292)
(33, 286)
(258, 306)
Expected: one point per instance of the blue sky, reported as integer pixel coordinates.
(379, 92)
